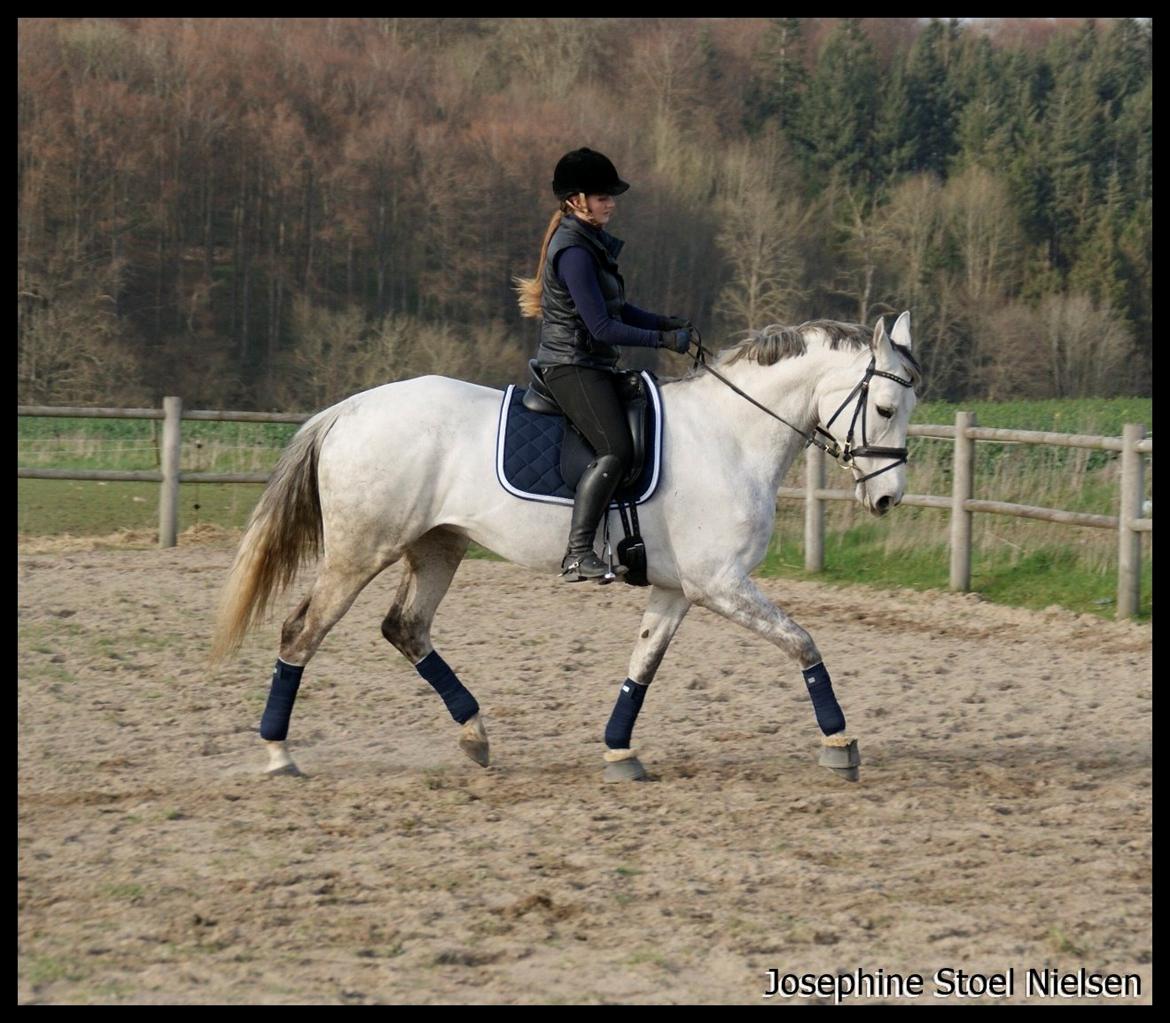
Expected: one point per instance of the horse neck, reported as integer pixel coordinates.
(789, 388)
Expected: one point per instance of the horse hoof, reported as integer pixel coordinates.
(623, 765)
(473, 741)
(841, 756)
(625, 770)
(478, 751)
(280, 763)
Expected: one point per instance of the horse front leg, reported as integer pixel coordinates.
(664, 613)
(739, 600)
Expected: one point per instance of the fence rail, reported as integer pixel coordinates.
(1132, 444)
(963, 506)
(61, 412)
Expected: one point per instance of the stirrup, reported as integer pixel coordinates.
(572, 571)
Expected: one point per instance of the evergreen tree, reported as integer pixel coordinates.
(1073, 147)
(1100, 270)
(839, 113)
(1126, 63)
(1134, 142)
(1137, 244)
(986, 124)
(778, 78)
(930, 123)
(895, 150)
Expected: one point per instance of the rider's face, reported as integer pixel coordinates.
(599, 207)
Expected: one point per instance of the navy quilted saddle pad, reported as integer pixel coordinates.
(528, 452)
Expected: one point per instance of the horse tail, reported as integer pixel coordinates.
(284, 530)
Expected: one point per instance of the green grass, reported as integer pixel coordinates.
(886, 554)
(1104, 416)
(124, 892)
(40, 970)
(134, 444)
(89, 508)
(1022, 562)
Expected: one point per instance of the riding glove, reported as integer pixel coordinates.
(676, 340)
(674, 323)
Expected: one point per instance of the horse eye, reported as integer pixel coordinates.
(885, 413)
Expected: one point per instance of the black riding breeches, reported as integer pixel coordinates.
(590, 400)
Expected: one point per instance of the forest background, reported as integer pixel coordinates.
(274, 213)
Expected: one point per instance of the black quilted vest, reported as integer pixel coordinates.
(564, 338)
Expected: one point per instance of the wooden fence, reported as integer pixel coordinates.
(169, 474)
(1130, 525)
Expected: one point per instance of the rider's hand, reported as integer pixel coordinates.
(674, 323)
(676, 340)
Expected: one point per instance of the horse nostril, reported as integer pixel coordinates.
(884, 504)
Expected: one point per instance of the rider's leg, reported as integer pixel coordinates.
(594, 491)
(589, 399)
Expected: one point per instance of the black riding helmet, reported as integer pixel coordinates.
(584, 170)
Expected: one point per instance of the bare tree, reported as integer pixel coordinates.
(912, 224)
(1013, 361)
(338, 352)
(985, 230)
(760, 239)
(551, 52)
(72, 348)
(1087, 346)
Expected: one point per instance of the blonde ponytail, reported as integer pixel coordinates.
(530, 289)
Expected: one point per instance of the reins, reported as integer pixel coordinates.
(842, 455)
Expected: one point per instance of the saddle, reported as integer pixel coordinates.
(540, 457)
(576, 451)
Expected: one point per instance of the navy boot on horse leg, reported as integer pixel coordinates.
(594, 491)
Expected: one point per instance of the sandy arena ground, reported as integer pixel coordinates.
(1002, 820)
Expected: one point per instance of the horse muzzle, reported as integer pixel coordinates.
(877, 504)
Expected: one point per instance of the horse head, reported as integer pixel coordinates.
(865, 407)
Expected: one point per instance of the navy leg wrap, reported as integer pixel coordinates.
(286, 680)
(625, 713)
(459, 701)
(828, 710)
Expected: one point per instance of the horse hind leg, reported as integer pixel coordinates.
(337, 585)
(431, 563)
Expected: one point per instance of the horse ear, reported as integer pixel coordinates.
(879, 334)
(901, 332)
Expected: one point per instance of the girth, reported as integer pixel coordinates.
(576, 451)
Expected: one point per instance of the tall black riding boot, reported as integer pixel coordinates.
(594, 491)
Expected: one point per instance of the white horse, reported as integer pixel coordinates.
(407, 471)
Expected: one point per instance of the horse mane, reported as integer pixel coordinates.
(776, 341)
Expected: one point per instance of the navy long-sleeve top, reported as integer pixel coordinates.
(576, 269)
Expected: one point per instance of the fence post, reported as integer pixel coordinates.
(1129, 559)
(168, 500)
(814, 510)
(963, 467)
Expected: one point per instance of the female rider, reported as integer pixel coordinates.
(579, 296)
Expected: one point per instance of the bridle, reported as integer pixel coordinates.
(844, 456)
